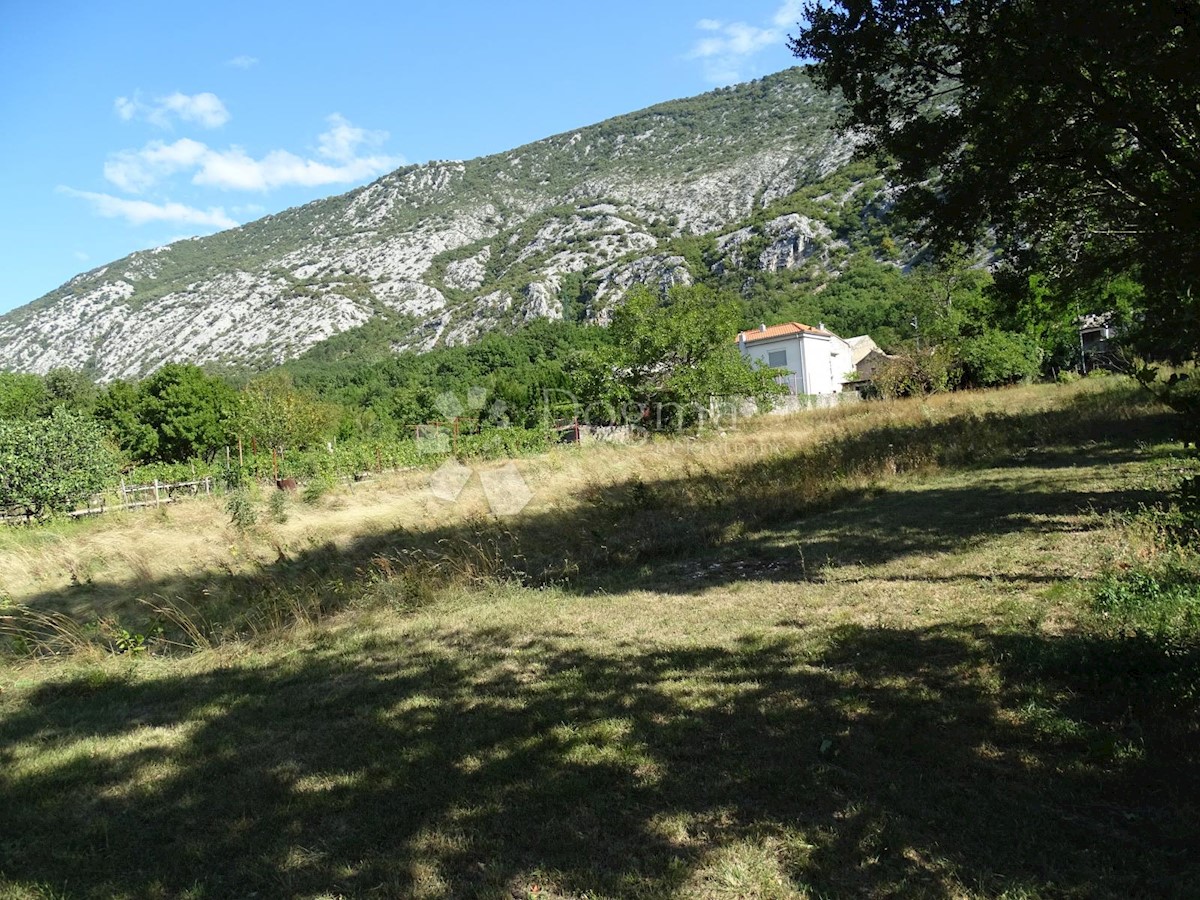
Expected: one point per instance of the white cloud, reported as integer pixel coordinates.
(737, 39)
(137, 170)
(728, 47)
(126, 109)
(81, 256)
(789, 14)
(242, 62)
(204, 109)
(234, 169)
(141, 212)
(341, 142)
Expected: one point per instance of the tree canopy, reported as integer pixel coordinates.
(1071, 128)
(669, 357)
(272, 412)
(187, 410)
(48, 464)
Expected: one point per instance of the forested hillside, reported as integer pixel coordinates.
(450, 249)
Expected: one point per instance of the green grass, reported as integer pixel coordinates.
(872, 661)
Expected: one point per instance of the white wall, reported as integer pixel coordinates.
(818, 377)
(761, 351)
(821, 361)
(841, 362)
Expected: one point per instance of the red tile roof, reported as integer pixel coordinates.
(777, 331)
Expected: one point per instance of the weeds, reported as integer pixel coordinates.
(240, 507)
(1172, 523)
(185, 620)
(278, 507)
(31, 633)
(1164, 605)
(1159, 599)
(36, 634)
(402, 587)
(316, 488)
(1154, 606)
(122, 640)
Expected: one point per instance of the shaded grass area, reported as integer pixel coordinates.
(866, 760)
(860, 667)
(610, 534)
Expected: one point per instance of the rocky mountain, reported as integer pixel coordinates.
(450, 250)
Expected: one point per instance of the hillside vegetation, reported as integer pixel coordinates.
(931, 648)
(666, 361)
(447, 251)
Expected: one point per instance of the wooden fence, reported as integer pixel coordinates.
(156, 494)
(159, 493)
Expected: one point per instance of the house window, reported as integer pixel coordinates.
(777, 359)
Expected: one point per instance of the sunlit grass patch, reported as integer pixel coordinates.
(904, 689)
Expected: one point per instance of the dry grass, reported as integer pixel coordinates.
(773, 467)
(790, 662)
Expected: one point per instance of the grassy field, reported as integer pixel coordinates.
(888, 650)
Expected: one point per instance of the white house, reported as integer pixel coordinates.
(817, 361)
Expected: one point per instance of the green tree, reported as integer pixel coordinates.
(272, 411)
(671, 357)
(72, 389)
(189, 411)
(1071, 128)
(868, 298)
(119, 409)
(22, 396)
(942, 302)
(50, 464)
(996, 357)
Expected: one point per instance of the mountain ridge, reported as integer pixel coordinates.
(452, 248)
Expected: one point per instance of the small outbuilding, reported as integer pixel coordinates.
(868, 359)
(1096, 340)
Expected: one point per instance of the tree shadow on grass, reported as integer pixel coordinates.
(787, 519)
(889, 525)
(874, 762)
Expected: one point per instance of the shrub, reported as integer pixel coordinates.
(241, 510)
(235, 478)
(492, 443)
(917, 374)
(317, 488)
(999, 357)
(278, 506)
(174, 473)
(48, 465)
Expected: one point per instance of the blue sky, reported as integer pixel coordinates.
(129, 125)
